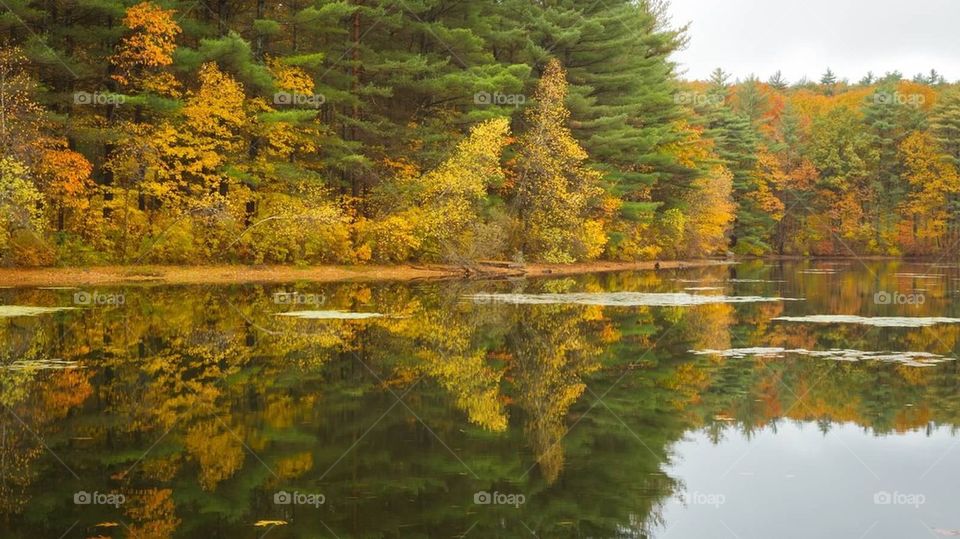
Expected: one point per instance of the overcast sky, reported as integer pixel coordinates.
(804, 37)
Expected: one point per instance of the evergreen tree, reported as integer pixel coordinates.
(828, 78)
(829, 82)
(736, 141)
(719, 79)
(888, 122)
(406, 78)
(945, 127)
(945, 124)
(750, 99)
(621, 87)
(777, 81)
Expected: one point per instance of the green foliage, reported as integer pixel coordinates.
(133, 118)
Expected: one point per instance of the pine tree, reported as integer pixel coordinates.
(828, 78)
(719, 79)
(945, 124)
(945, 127)
(888, 122)
(777, 81)
(621, 89)
(736, 141)
(403, 81)
(750, 100)
(829, 82)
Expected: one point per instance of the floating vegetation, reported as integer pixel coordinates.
(621, 299)
(911, 359)
(330, 315)
(40, 364)
(10, 311)
(58, 288)
(823, 271)
(703, 288)
(921, 275)
(271, 523)
(877, 321)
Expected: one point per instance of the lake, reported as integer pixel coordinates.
(757, 400)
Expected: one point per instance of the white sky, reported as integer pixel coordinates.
(804, 37)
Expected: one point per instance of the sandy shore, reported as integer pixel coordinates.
(103, 275)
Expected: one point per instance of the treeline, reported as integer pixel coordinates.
(834, 168)
(387, 131)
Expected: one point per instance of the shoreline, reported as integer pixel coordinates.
(235, 274)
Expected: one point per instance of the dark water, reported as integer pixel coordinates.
(560, 407)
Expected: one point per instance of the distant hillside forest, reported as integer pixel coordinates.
(387, 131)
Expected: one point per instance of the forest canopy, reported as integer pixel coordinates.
(348, 132)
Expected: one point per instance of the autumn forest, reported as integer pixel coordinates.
(390, 131)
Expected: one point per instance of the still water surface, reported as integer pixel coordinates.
(752, 401)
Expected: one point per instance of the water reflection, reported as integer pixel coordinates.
(200, 406)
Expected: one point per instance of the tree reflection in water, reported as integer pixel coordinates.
(199, 404)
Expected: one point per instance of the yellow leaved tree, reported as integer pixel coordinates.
(142, 55)
(437, 215)
(933, 181)
(192, 155)
(556, 193)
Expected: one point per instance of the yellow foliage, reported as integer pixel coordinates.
(710, 212)
(218, 452)
(439, 211)
(556, 191)
(19, 200)
(189, 157)
(933, 182)
(295, 465)
(768, 175)
(290, 79)
(150, 46)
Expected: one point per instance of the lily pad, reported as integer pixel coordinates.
(330, 315)
(877, 321)
(40, 364)
(622, 299)
(265, 523)
(9, 311)
(911, 359)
